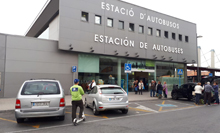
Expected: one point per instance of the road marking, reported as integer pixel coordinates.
(136, 109)
(178, 108)
(161, 107)
(36, 126)
(65, 125)
(90, 115)
(145, 108)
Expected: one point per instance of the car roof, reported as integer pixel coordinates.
(33, 80)
(107, 85)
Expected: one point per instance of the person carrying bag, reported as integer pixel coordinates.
(141, 86)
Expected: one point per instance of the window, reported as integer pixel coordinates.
(112, 90)
(121, 25)
(180, 37)
(173, 36)
(150, 31)
(85, 16)
(40, 87)
(166, 35)
(141, 29)
(186, 39)
(110, 22)
(98, 19)
(131, 27)
(158, 33)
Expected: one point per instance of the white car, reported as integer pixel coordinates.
(107, 97)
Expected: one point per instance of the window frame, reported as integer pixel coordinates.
(130, 28)
(174, 36)
(167, 37)
(159, 32)
(123, 25)
(186, 40)
(100, 19)
(141, 26)
(86, 18)
(111, 21)
(150, 29)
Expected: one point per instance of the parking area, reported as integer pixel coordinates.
(8, 122)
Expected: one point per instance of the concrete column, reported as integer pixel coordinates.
(185, 73)
(199, 56)
(212, 58)
(119, 72)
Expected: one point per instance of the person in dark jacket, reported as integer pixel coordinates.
(208, 90)
(160, 89)
(215, 86)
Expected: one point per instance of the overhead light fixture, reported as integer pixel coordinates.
(193, 61)
(116, 52)
(154, 56)
(70, 47)
(92, 50)
(136, 55)
(126, 53)
(171, 58)
(163, 58)
(184, 60)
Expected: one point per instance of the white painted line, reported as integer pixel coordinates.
(145, 108)
(144, 114)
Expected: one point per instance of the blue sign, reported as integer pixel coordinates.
(166, 105)
(74, 69)
(127, 67)
(210, 74)
(180, 71)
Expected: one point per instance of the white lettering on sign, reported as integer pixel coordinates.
(114, 41)
(131, 13)
(167, 49)
(116, 9)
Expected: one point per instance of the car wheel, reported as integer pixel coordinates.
(86, 105)
(95, 112)
(62, 118)
(20, 120)
(124, 111)
(175, 96)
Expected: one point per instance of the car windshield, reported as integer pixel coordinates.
(112, 90)
(40, 88)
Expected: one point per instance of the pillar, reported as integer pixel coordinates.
(119, 72)
(212, 58)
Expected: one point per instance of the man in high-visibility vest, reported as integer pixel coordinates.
(76, 91)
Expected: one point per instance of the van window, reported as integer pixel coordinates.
(40, 88)
(112, 90)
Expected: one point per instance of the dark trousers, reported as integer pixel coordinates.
(197, 98)
(140, 91)
(207, 97)
(76, 104)
(216, 97)
(152, 91)
(164, 93)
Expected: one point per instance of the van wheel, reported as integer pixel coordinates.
(62, 118)
(95, 112)
(20, 120)
(175, 96)
(86, 105)
(124, 111)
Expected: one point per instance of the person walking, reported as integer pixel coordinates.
(152, 88)
(165, 90)
(135, 86)
(141, 86)
(208, 91)
(160, 89)
(92, 84)
(76, 92)
(215, 87)
(198, 91)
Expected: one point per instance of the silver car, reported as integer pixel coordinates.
(40, 98)
(107, 97)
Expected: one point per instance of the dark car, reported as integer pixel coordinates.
(185, 90)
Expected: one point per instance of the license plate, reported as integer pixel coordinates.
(114, 99)
(41, 104)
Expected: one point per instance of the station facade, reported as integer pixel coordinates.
(98, 37)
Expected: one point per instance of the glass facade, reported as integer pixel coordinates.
(110, 70)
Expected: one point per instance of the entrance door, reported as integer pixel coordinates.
(144, 76)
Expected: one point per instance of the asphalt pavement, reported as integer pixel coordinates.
(149, 116)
